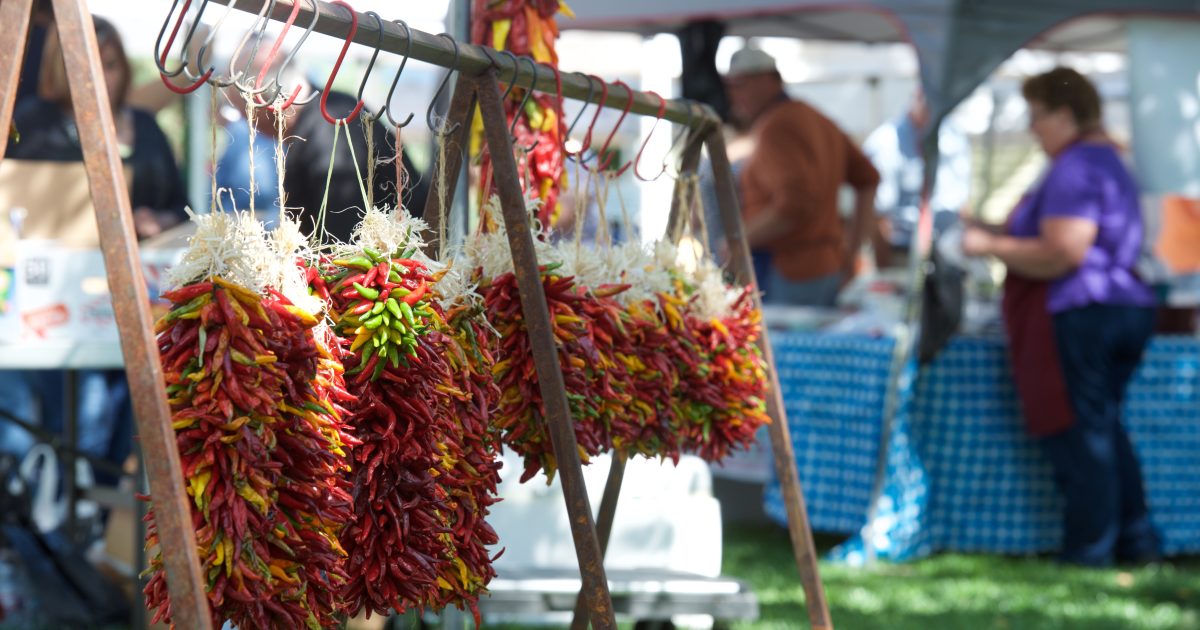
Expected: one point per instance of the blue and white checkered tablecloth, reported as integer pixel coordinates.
(837, 385)
(961, 473)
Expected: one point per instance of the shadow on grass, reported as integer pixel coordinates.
(973, 592)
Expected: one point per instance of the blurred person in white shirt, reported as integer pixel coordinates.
(895, 150)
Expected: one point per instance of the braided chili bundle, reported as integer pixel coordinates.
(312, 450)
(521, 411)
(728, 386)
(527, 28)
(470, 476)
(608, 374)
(422, 476)
(263, 478)
(651, 359)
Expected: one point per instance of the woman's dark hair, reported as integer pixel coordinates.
(1064, 87)
(53, 84)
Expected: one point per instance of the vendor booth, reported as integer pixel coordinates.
(913, 459)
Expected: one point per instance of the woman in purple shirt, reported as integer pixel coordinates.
(1078, 318)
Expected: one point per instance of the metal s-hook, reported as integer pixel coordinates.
(160, 56)
(257, 30)
(337, 65)
(162, 32)
(612, 134)
(441, 89)
(387, 105)
(204, 48)
(512, 128)
(287, 61)
(371, 66)
(512, 83)
(662, 109)
(587, 101)
(271, 54)
(587, 138)
(684, 132)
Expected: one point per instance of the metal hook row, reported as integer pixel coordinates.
(266, 91)
(264, 87)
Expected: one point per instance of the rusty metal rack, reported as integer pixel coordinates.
(477, 85)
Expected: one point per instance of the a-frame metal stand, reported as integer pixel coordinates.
(131, 306)
(131, 303)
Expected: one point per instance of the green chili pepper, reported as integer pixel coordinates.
(361, 263)
(190, 307)
(393, 307)
(407, 312)
(203, 342)
(393, 357)
(370, 294)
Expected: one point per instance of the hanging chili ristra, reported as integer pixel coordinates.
(423, 476)
(528, 28)
(263, 474)
(729, 384)
(521, 412)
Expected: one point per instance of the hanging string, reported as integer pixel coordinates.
(698, 207)
(604, 235)
(443, 196)
(212, 199)
(401, 176)
(626, 222)
(602, 189)
(319, 232)
(684, 220)
(250, 107)
(357, 171)
(369, 132)
(280, 160)
(583, 190)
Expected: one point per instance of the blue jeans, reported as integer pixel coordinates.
(821, 291)
(1095, 467)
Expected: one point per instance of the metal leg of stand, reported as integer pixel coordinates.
(549, 371)
(604, 524)
(781, 442)
(70, 439)
(139, 621)
(131, 306)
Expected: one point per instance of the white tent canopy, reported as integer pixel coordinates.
(958, 42)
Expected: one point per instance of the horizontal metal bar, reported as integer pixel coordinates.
(335, 22)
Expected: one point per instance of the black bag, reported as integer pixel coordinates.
(941, 307)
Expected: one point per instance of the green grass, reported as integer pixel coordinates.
(953, 591)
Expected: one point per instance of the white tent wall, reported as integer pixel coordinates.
(1164, 61)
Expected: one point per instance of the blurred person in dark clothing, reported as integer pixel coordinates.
(35, 44)
(308, 154)
(308, 149)
(46, 124)
(48, 133)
